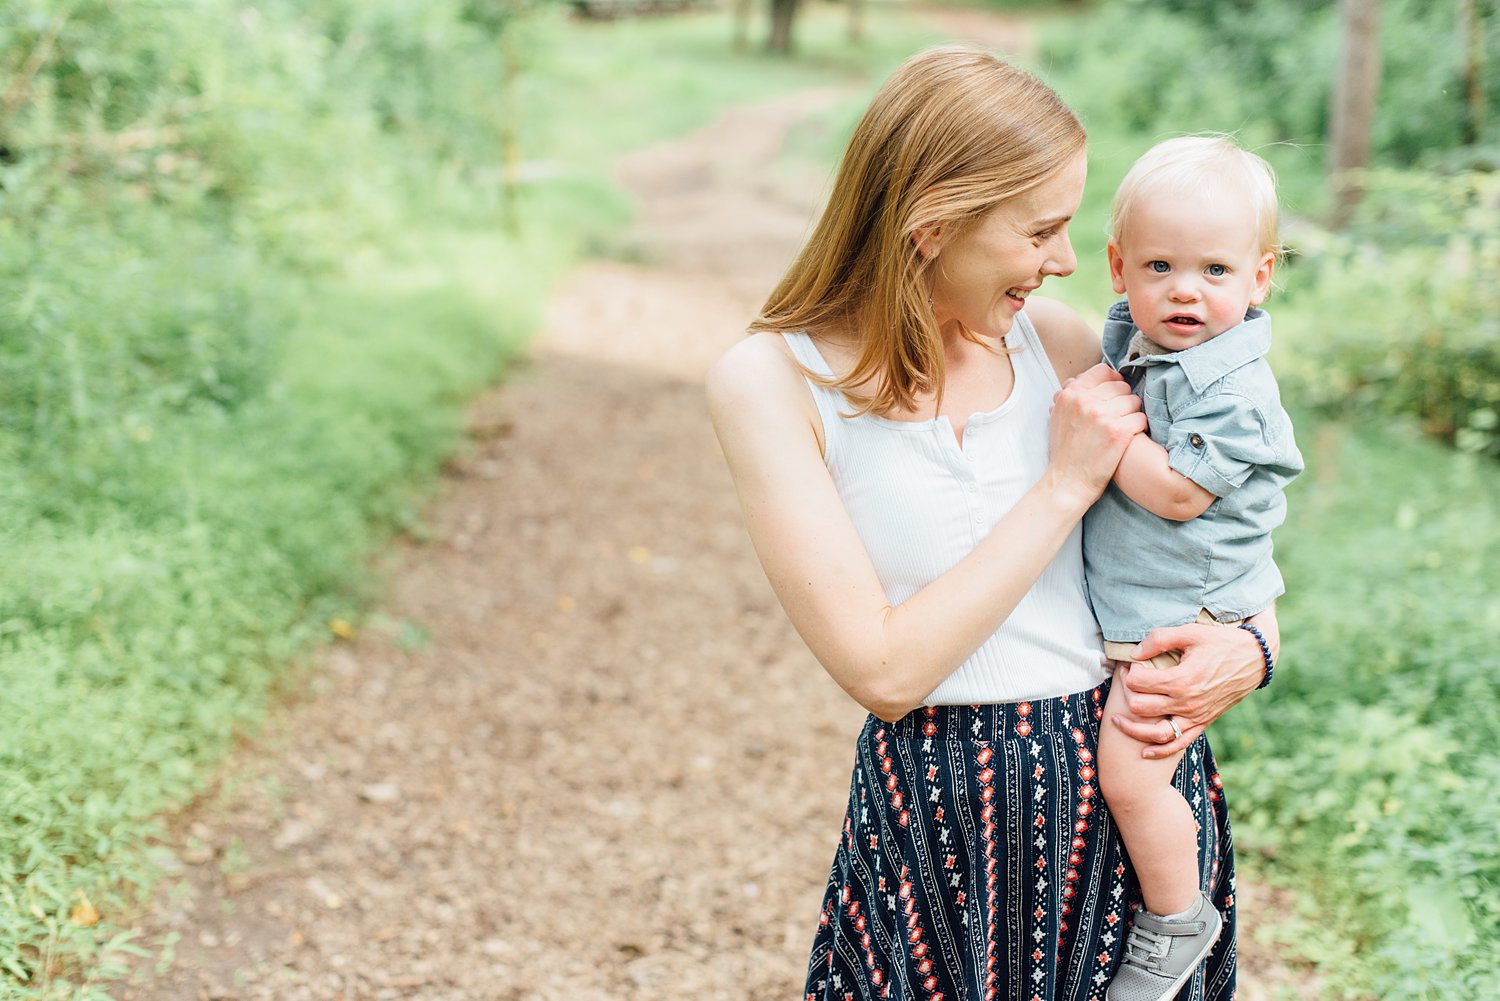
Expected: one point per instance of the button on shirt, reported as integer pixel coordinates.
(1216, 409)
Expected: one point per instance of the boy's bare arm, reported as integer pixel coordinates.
(1146, 478)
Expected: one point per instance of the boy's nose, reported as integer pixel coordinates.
(1184, 290)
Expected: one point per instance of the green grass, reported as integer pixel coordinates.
(1363, 777)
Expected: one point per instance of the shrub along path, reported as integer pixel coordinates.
(580, 754)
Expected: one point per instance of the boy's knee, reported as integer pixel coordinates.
(1118, 793)
(1126, 780)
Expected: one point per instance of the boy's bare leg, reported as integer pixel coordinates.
(1155, 822)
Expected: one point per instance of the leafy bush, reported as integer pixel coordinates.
(1401, 314)
(1364, 774)
(1270, 65)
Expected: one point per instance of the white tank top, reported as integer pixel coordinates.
(921, 502)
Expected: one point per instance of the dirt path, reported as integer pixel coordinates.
(580, 709)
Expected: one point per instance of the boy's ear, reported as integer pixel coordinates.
(1116, 266)
(928, 239)
(1263, 279)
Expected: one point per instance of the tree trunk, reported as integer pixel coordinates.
(783, 12)
(856, 20)
(741, 25)
(1471, 33)
(1353, 102)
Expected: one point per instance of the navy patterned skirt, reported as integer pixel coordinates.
(979, 863)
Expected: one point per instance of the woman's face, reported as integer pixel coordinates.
(983, 272)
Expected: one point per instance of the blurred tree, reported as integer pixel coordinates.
(741, 25)
(1471, 31)
(783, 14)
(1353, 107)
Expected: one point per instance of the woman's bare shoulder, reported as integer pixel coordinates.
(757, 370)
(1070, 342)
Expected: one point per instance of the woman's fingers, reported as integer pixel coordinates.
(1099, 375)
(1094, 417)
(1176, 638)
(1154, 692)
(1161, 735)
(1220, 665)
(1157, 735)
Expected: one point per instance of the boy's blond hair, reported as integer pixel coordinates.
(1182, 166)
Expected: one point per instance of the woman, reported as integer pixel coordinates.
(915, 438)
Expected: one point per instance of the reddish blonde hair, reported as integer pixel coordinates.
(952, 133)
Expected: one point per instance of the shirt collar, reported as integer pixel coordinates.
(1202, 364)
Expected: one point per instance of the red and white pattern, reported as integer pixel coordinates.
(978, 862)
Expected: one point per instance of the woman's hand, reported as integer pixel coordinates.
(1094, 418)
(1220, 666)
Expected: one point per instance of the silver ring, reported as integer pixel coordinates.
(1176, 730)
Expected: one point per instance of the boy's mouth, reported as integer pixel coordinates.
(1184, 323)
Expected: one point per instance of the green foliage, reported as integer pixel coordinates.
(1365, 772)
(1395, 316)
(1401, 314)
(1269, 66)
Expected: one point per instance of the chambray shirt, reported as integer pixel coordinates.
(1217, 411)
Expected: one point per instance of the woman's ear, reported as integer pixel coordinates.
(928, 239)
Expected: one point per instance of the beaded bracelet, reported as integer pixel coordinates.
(1265, 652)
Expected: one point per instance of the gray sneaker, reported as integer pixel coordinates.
(1160, 955)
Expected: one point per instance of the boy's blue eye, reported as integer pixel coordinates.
(1160, 267)
(1217, 270)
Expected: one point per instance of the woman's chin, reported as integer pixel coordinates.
(999, 325)
(994, 325)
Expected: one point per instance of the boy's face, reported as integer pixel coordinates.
(1191, 265)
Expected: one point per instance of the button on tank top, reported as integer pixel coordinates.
(920, 502)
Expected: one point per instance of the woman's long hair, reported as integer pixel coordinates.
(952, 133)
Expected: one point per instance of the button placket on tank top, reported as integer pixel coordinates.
(976, 505)
(966, 471)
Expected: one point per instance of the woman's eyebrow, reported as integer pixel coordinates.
(1050, 221)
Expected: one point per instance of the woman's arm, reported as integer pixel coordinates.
(1220, 666)
(888, 658)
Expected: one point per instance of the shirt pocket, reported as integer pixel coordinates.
(1157, 417)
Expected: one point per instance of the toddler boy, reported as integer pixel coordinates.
(1182, 534)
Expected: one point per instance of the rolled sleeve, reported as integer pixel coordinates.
(1217, 441)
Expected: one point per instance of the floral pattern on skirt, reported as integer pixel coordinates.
(979, 863)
